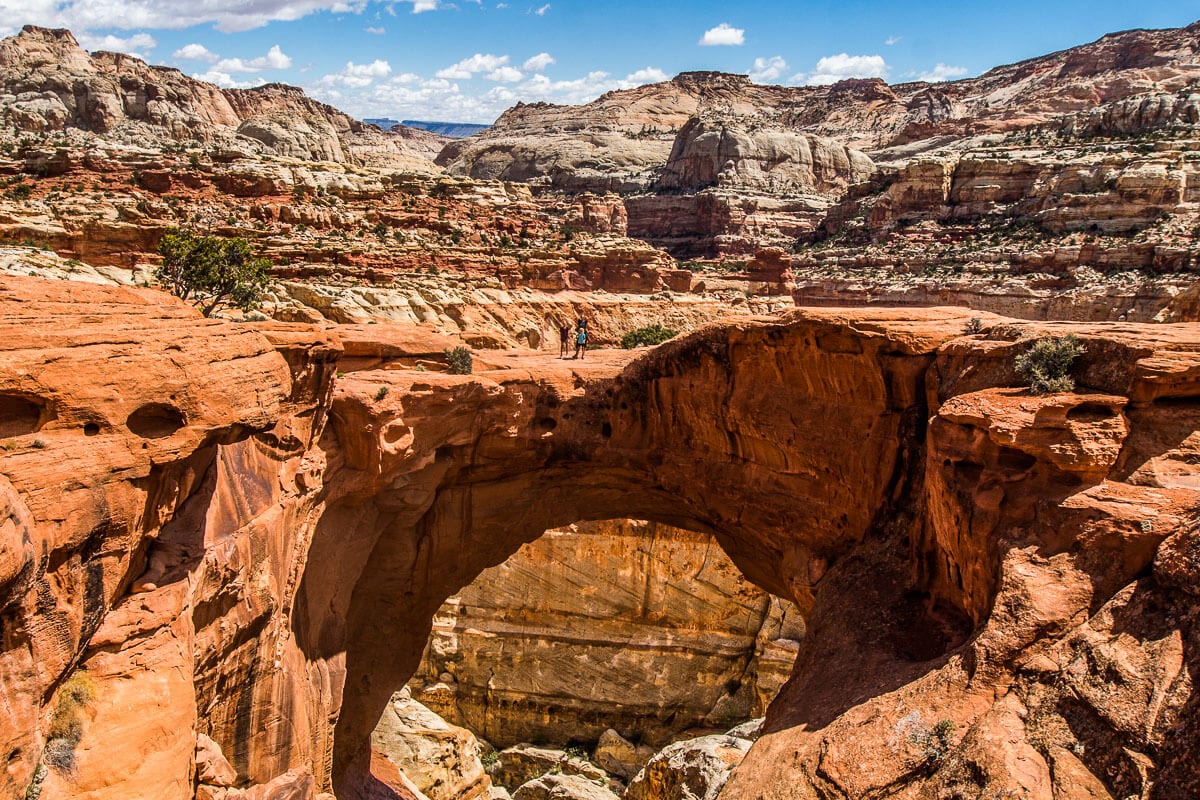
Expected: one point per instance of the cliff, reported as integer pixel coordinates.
(208, 533)
(50, 85)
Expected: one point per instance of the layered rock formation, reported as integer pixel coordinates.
(629, 625)
(624, 137)
(49, 85)
(225, 548)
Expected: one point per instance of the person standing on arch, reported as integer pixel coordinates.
(564, 340)
(581, 339)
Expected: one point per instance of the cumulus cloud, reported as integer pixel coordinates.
(469, 67)
(832, 69)
(538, 63)
(505, 75)
(376, 31)
(942, 72)
(768, 70)
(358, 75)
(196, 52)
(134, 45)
(227, 81)
(227, 15)
(723, 34)
(410, 97)
(274, 59)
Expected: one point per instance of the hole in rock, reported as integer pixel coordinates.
(21, 414)
(630, 626)
(155, 421)
(91, 429)
(1091, 412)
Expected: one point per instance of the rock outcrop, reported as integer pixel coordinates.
(621, 624)
(620, 141)
(226, 540)
(49, 84)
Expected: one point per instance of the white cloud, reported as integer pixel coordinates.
(376, 31)
(644, 76)
(768, 70)
(891, 40)
(541, 12)
(505, 75)
(538, 63)
(227, 81)
(832, 69)
(274, 59)
(196, 52)
(358, 76)
(409, 97)
(942, 72)
(134, 45)
(227, 16)
(468, 67)
(723, 34)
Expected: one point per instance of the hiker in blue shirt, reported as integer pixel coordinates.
(580, 342)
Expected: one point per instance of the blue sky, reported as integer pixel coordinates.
(468, 60)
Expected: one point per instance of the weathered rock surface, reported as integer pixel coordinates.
(441, 760)
(621, 140)
(633, 625)
(563, 787)
(694, 769)
(239, 568)
(48, 83)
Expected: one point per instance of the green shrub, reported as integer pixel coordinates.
(490, 759)
(974, 325)
(66, 724)
(210, 271)
(382, 393)
(459, 359)
(649, 335)
(1046, 365)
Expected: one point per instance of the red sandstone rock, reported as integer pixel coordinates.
(1006, 572)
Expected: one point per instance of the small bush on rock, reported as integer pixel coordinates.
(649, 335)
(459, 359)
(66, 724)
(1046, 365)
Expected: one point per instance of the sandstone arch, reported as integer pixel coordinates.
(241, 577)
(740, 431)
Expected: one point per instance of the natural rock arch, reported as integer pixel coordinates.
(790, 443)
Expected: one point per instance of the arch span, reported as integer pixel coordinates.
(791, 442)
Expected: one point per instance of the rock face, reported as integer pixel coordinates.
(739, 153)
(441, 760)
(633, 625)
(695, 769)
(48, 83)
(619, 141)
(229, 542)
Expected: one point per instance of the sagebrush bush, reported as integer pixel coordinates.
(66, 723)
(459, 359)
(1046, 365)
(648, 335)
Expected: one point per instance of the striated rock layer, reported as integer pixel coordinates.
(999, 589)
(629, 625)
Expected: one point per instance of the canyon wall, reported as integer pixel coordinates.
(226, 540)
(621, 624)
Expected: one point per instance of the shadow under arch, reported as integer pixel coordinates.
(791, 443)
